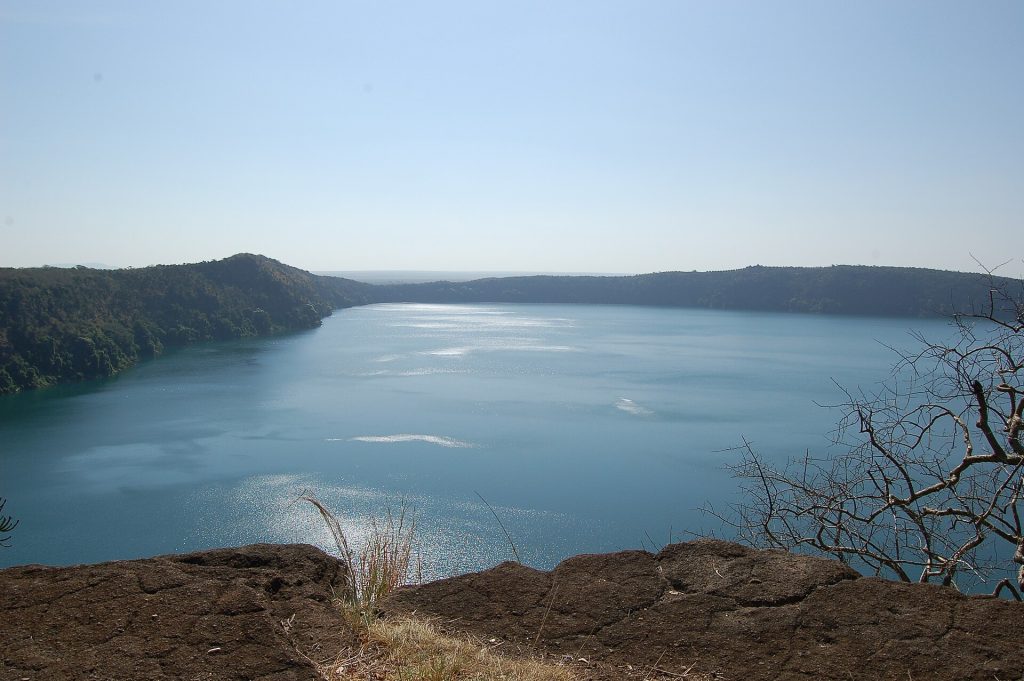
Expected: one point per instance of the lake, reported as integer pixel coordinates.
(586, 428)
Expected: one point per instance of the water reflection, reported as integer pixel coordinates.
(588, 427)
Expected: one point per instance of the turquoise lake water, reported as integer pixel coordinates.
(587, 428)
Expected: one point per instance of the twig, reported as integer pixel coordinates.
(655, 665)
(551, 602)
(502, 526)
(1006, 584)
(675, 675)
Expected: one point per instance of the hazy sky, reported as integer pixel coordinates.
(623, 136)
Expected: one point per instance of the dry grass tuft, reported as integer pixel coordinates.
(406, 648)
(413, 649)
(409, 648)
(382, 563)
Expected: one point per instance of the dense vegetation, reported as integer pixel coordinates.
(895, 291)
(60, 324)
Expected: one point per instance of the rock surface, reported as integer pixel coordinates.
(256, 612)
(722, 610)
(709, 609)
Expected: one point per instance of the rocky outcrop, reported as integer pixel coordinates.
(726, 611)
(705, 609)
(256, 612)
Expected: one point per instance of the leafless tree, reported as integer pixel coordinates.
(7, 524)
(925, 483)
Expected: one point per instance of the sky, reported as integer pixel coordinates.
(594, 136)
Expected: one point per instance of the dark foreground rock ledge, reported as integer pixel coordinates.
(724, 610)
(711, 607)
(256, 612)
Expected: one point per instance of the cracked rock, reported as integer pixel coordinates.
(205, 615)
(730, 612)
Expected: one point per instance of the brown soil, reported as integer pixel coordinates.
(703, 608)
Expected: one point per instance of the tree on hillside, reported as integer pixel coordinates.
(929, 483)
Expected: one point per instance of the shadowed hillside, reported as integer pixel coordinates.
(61, 325)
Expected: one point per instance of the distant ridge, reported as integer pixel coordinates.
(840, 289)
(59, 325)
(427, 276)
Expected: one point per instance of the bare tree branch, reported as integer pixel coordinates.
(7, 525)
(928, 485)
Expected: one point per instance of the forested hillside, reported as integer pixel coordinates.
(890, 291)
(60, 324)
